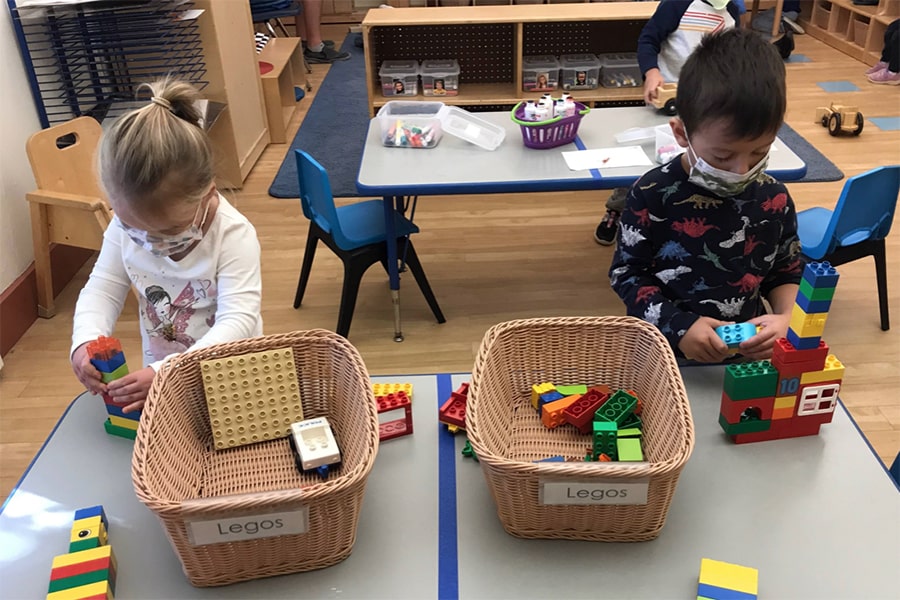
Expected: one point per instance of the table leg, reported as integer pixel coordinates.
(390, 232)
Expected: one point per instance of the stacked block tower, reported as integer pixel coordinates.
(796, 392)
(107, 356)
(88, 571)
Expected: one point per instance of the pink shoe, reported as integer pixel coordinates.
(885, 77)
(879, 66)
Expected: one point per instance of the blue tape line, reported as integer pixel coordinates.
(448, 565)
(595, 173)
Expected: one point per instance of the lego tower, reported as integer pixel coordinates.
(796, 392)
(107, 356)
(89, 569)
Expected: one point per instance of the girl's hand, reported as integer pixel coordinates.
(132, 389)
(652, 80)
(701, 343)
(760, 346)
(87, 373)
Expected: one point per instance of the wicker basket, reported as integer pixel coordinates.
(179, 475)
(507, 434)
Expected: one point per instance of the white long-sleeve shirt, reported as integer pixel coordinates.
(212, 295)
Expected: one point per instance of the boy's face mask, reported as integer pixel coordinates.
(163, 246)
(720, 182)
(718, 4)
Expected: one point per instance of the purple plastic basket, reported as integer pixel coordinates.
(549, 134)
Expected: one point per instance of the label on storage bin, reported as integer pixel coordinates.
(248, 527)
(632, 491)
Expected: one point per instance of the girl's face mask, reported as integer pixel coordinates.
(720, 182)
(163, 246)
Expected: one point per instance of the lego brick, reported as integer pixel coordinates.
(729, 575)
(383, 389)
(251, 397)
(712, 592)
(453, 412)
(603, 389)
(88, 528)
(820, 275)
(453, 429)
(783, 413)
(805, 324)
(314, 443)
(581, 412)
(100, 552)
(119, 431)
(639, 407)
(748, 426)
(537, 390)
(122, 371)
(392, 401)
(469, 452)
(735, 333)
(604, 440)
(632, 421)
(788, 385)
(123, 422)
(629, 449)
(803, 343)
(812, 306)
(744, 381)
(786, 354)
(737, 411)
(391, 429)
(114, 409)
(552, 412)
(632, 432)
(781, 429)
(92, 511)
(106, 354)
(87, 566)
(617, 408)
(795, 369)
(818, 399)
(571, 390)
(552, 459)
(100, 589)
(833, 371)
(81, 579)
(782, 402)
(551, 396)
(815, 293)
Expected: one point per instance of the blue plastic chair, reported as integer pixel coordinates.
(355, 233)
(857, 226)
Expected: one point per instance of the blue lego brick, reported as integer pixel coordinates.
(547, 398)
(807, 343)
(745, 381)
(821, 274)
(719, 593)
(92, 511)
(112, 409)
(736, 333)
(109, 366)
(813, 306)
(553, 459)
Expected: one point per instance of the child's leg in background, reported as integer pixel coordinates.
(605, 234)
(887, 70)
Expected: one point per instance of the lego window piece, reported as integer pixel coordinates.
(314, 444)
(818, 399)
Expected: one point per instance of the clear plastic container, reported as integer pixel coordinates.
(666, 146)
(410, 124)
(466, 126)
(399, 78)
(636, 135)
(540, 73)
(620, 70)
(579, 71)
(440, 77)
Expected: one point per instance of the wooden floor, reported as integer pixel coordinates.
(491, 259)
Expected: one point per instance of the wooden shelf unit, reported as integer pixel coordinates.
(490, 41)
(855, 30)
(286, 57)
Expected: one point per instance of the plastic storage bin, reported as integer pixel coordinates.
(399, 78)
(540, 73)
(667, 146)
(466, 126)
(410, 124)
(507, 435)
(181, 478)
(620, 70)
(579, 71)
(440, 77)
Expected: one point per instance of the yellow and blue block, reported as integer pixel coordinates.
(726, 581)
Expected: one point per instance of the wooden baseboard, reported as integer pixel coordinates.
(18, 302)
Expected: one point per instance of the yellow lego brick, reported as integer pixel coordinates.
(833, 371)
(785, 402)
(807, 324)
(783, 413)
(452, 428)
(251, 397)
(538, 389)
(383, 389)
(64, 560)
(729, 576)
(91, 590)
(83, 529)
(123, 422)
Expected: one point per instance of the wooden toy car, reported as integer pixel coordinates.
(840, 118)
(665, 98)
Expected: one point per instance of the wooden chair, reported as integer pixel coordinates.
(68, 206)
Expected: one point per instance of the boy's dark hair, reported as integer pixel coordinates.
(734, 75)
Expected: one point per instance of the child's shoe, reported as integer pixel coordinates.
(605, 235)
(885, 77)
(879, 66)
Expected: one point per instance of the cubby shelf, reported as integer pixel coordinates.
(855, 30)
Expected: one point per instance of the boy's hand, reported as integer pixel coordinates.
(760, 346)
(87, 373)
(701, 343)
(652, 80)
(132, 388)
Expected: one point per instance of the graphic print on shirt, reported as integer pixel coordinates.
(702, 21)
(169, 320)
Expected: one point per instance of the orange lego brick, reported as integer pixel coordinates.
(552, 412)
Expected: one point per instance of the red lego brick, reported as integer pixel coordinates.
(397, 427)
(453, 411)
(603, 389)
(392, 401)
(732, 409)
(784, 353)
(581, 413)
(88, 566)
(782, 429)
(639, 408)
(393, 429)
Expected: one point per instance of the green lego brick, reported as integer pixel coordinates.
(751, 426)
(617, 408)
(66, 583)
(120, 372)
(745, 381)
(571, 390)
(812, 293)
(79, 545)
(629, 449)
(604, 439)
(632, 432)
(632, 421)
(119, 431)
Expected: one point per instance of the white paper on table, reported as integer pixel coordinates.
(607, 158)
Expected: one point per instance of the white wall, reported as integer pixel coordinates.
(18, 120)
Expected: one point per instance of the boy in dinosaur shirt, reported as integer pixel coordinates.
(705, 238)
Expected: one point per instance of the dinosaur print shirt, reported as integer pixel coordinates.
(684, 252)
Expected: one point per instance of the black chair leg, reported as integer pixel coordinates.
(308, 255)
(881, 277)
(353, 272)
(412, 259)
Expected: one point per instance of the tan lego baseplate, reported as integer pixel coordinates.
(252, 397)
(383, 389)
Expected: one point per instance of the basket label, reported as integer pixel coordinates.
(634, 491)
(248, 527)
